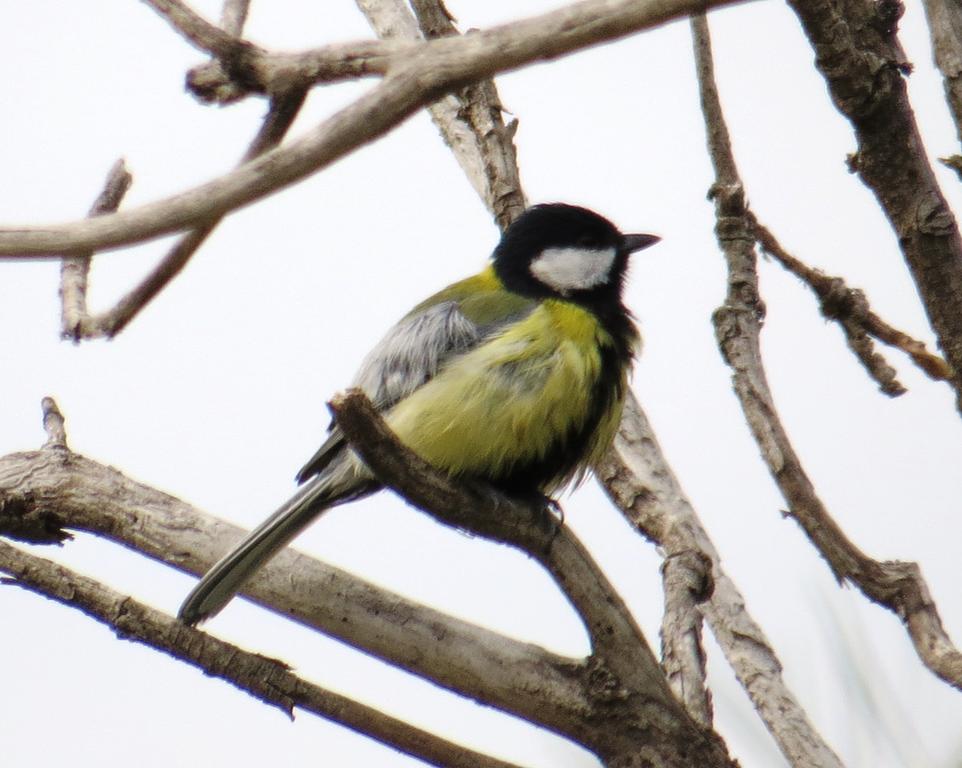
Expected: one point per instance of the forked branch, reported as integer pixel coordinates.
(77, 322)
(414, 80)
(859, 55)
(896, 585)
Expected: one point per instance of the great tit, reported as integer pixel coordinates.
(515, 377)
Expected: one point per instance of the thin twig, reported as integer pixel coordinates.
(850, 308)
(280, 117)
(75, 269)
(415, 80)
(283, 111)
(223, 43)
(266, 679)
(53, 424)
(862, 61)
(896, 585)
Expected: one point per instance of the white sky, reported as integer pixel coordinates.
(216, 393)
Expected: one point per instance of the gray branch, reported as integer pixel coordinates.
(44, 493)
(266, 679)
(479, 113)
(641, 717)
(945, 29)
(849, 307)
(74, 270)
(77, 322)
(859, 55)
(899, 586)
(639, 480)
(687, 584)
(424, 72)
(233, 16)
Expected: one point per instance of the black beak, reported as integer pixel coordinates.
(634, 243)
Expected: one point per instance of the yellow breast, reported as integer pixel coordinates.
(526, 397)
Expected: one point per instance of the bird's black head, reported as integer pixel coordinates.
(558, 250)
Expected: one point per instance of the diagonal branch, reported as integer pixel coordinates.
(470, 118)
(280, 117)
(639, 481)
(637, 477)
(531, 528)
(635, 694)
(859, 55)
(283, 111)
(896, 585)
(233, 16)
(438, 66)
(945, 29)
(687, 583)
(266, 679)
(74, 270)
(851, 310)
(44, 492)
(222, 43)
(392, 20)
(479, 113)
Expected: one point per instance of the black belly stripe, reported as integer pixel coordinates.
(568, 452)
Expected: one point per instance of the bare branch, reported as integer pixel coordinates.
(491, 163)
(687, 582)
(51, 489)
(44, 492)
(266, 679)
(634, 683)
(233, 16)
(851, 310)
(945, 28)
(637, 477)
(393, 20)
(859, 55)
(283, 111)
(532, 528)
(641, 484)
(895, 585)
(439, 66)
(221, 43)
(74, 269)
(53, 424)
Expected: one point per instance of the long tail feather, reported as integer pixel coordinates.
(232, 571)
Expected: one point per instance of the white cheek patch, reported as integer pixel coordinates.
(573, 269)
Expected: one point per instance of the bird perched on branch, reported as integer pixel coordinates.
(515, 377)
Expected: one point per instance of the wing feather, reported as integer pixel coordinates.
(439, 330)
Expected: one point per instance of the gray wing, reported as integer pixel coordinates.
(409, 355)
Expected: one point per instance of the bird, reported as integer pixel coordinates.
(515, 377)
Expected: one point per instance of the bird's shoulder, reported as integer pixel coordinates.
(480, 299)
(452, 322)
